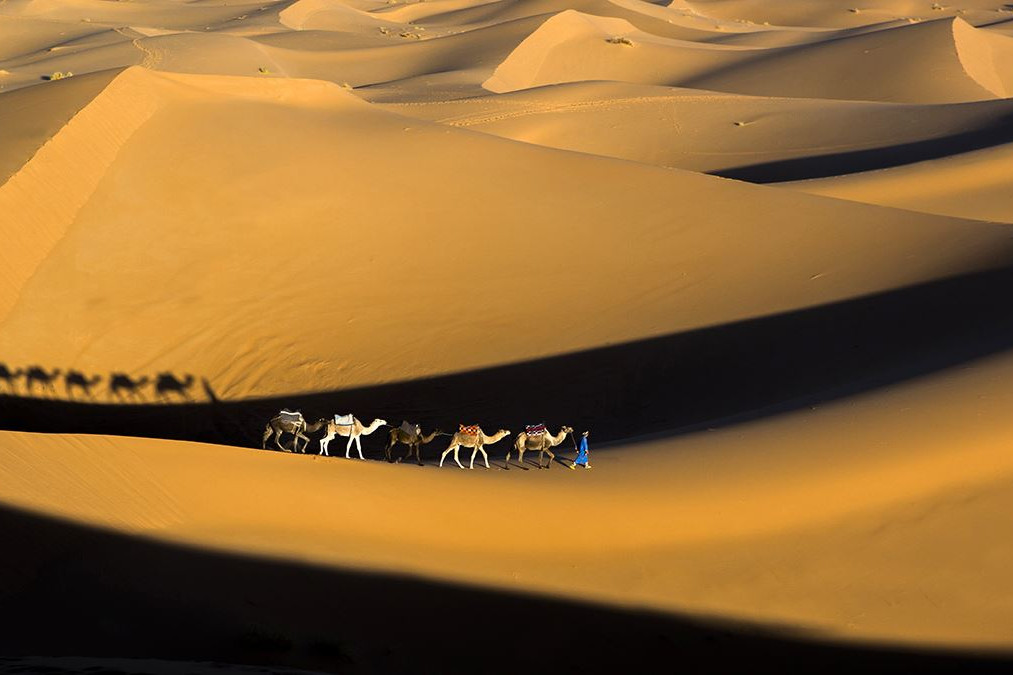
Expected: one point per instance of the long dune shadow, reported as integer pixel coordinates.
(670, 384)
(67, 589)
(869, 159)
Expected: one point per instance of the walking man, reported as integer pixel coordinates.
(583, 458)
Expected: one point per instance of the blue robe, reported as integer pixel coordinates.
(582, 453)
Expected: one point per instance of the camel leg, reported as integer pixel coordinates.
(305, 445)
(358, 446)
(277, 440)
(348, 447)
(267, 434)
(485, 455)
(418, 454)
(324, 443)
(386, 450)
(445, 453)
(552, 458)
(474, 451)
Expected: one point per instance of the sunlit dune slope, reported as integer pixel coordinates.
(941, 61)
(975, 184)
(714, 132)
(880, 517)
(279, 275)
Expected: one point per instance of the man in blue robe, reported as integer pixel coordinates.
(582, 454)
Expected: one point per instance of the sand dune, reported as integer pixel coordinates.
(279, 302)
(768, 521)
(759, 249)
(729, 133)
(955, 62)
(970, 185)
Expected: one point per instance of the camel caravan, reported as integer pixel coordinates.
(534, 438)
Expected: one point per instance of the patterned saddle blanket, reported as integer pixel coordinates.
(291, 416)
(344, 420)
(470, 430)
(535, 429)
(410, 429)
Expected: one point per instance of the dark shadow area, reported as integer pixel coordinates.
(71, 590)
(856, 161)
(670, 384)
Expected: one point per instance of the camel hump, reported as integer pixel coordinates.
(535, 429)
(408, 427)
(470, 429)
(344, 420)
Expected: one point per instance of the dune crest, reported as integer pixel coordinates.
(918, 63)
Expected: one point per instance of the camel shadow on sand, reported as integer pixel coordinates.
(72, 384)
(668, 385)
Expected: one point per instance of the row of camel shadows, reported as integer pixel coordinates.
(39, 381)
(411, 436)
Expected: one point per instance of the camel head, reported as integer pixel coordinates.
(566, 429)
(502, 433)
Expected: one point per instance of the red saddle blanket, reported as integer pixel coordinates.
(470, 430)
(534, 429)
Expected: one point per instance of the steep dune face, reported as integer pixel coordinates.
(51, 108)
(271, 285)
(573, 46)
(919, 63)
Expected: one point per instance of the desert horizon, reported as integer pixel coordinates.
(307, 305)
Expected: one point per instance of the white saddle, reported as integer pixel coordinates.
(344, 420)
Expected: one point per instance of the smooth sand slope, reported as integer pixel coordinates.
(784, 222)
(727, 134)
(279, 264)
(970, 185)
(940, 61)
(881, 517)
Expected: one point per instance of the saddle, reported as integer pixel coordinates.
(410, 429)
(291, 416)
(535, 429)
(344, 420)
(470, 430)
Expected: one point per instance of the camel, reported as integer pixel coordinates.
(38, 374)
(10, 377)
(410, 435)
(167, 383)
(477, 441)
(76, 379)
(542, 443)
(121, 382)
(354, 430)
(291, 423)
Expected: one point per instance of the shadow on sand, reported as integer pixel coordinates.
(73, 590)
(671, 384)
(856, 161)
